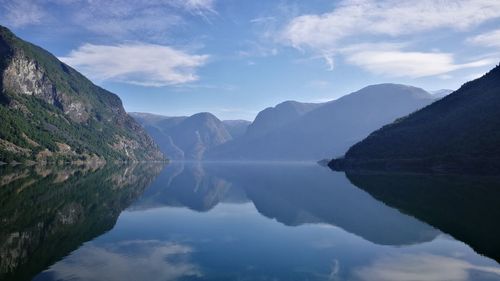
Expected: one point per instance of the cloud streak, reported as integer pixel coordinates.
(488, 39)
(136, 63)
(393, 61)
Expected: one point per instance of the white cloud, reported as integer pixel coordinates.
(392, 61)
(151, 260)
(423, 267)
(488, 39)
(138, 63)
(353, 21)
(352, 18)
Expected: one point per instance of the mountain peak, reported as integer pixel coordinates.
(394, 90)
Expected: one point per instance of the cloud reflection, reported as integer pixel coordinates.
(130, 260)
(425, 267)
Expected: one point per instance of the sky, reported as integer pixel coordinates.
(234, 58)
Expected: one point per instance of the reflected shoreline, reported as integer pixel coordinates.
(49, 211)
(463, 206)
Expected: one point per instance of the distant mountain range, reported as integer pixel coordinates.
(289, 131)
(190, 137)
(50, 112)
(460, 132)
(302, 131)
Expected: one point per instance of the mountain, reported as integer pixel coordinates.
(236, 128)
(295, 131)
(50, 112)
(273, 118)
(185, 137)
(441, 93)
(459, 132)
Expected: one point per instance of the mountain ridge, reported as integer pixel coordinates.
(346, 120)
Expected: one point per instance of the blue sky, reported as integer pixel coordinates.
(234, 57)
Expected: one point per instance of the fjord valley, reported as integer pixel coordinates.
(171, 140)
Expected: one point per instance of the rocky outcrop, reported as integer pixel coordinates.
(25, 76)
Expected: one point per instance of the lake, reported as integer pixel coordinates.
(245, 221)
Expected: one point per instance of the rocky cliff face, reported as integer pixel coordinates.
(51, 112)
(24, 75)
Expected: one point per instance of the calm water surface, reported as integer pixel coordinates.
(192, 221)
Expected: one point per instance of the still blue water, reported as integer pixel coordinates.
(231, 221)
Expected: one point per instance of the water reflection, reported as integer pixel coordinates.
(424, 267)
(466, 207)
(47, 212)
(246, 222)
(291, 194)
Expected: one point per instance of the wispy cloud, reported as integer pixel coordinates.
(355, 20)
(136, 63)
(151, 19)
(487, 39)
(20, 13)
(114, 18)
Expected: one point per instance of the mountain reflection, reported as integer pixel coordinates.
(188, 185)
(47, 212)
(466, 207)
(293, 194)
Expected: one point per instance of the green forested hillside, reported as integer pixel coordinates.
(51, 112)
